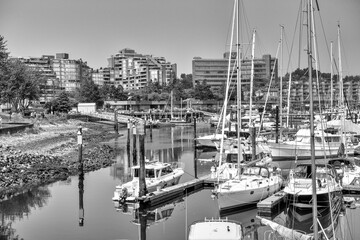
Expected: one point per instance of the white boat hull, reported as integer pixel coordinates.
(247, 192)
(132, 188)
(291, 150)
(218, 229)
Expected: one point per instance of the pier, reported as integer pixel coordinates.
(162, 196)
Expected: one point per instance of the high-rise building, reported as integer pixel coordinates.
(49, 84)
(132, 70)
(215, 71)
(70, 72)
(60, 73)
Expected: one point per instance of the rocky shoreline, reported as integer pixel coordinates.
(49, 153)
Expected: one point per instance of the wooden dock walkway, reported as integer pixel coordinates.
(271, 205)
(170, 193)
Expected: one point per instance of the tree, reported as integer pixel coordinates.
(89, 92)
(3, 51)
(19, 85)
(203, 91)
(61, 103)
(110, 92)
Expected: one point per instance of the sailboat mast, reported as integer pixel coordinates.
(281, 74)
(171, 103)
(331, 77)
(252, 78)
(341, 86)
(238, 82)
(311, 111)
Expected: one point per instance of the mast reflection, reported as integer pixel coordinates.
(81, 195)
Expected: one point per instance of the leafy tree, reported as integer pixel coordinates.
(186, 81)
(89, 92)
(62, 103)
(19, 85)
(110, 92)
(203, 91)
(3, 51)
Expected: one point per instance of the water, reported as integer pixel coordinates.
(53, 211)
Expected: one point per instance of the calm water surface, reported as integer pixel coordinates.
(53, 211)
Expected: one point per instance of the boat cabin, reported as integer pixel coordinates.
(153, 170)
(322, 171)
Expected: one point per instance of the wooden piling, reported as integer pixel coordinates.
(277, 125)
(134, 146)
(195, 153)
(128, 135)
(142, 183)
(116, 126)
(252, 131)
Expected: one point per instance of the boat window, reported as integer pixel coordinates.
(166, 171)
(264, 172)
(318, 139)
(136, 172)
(251, 171)
(332, 139)
(149, 173)
(231, 158)
(157, 173)
(303, 172)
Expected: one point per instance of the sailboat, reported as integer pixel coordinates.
(251, 182)
(313, 186)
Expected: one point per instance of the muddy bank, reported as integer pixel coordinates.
(49, 152)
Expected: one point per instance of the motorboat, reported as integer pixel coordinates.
(216, 229)
(209, 140)
(252, 184)
(158, 175)
(299, 188)
(327, 144)
(347, 170)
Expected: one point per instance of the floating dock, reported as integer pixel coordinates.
(167, 194)
(271, 205)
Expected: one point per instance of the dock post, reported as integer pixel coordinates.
(195, 153)
(142, 183)
(277, 125)
(116, 126)
(252, 131)
(128, 135)
(80, 142)
(134, 146)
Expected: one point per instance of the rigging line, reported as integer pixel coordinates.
(343, 52)
(260, 45)
(227, 89)
(326, 41)
(268, 92)
(289, 65)
(302, 8)
(247, 27)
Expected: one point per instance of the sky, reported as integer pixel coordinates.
(178, 30)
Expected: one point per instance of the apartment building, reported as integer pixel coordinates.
(132, 70)
(50, 84)
(215, 71)
(70, 71)
(60, 73)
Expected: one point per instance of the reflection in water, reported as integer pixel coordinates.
(144, 217)
(81, 195)
(19, 207)
(248, 220)
(301, 219)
